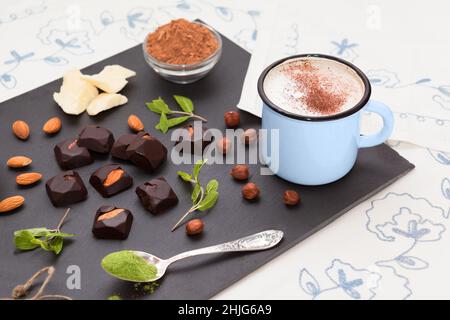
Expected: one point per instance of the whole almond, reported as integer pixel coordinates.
(52, 126)
(26, 179)
(135, 123)
(113, 177)
(18, 162)
(21, 129)
(111, 214)
(11, 203)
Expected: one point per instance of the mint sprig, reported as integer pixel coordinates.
(170, 118)
(48, 239)
(202, 198)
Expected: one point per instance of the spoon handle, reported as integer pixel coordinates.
(258, 241)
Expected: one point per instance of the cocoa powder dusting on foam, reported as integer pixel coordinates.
(319, 94)
(181, 42)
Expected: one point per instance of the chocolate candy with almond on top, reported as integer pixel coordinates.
(110, 180)
(112, 223)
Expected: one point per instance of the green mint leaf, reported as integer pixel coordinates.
(56, 244)
(185, 176)
(39, 232)
(172, 122)
(23, 240)
(158, 106)
(163, 123)
(185, 103)
(33, 238)
(51, 243)
(153, 107)
(196, 193)
(161, 105)
(197, 167)
(176, 121)
(63, 235)
(44, 244)
(209, 201)
(212, 185)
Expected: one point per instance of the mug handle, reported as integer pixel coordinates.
(388, 124)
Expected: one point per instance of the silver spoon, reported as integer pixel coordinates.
(259, 241)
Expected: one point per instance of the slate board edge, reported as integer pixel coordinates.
(327, 222)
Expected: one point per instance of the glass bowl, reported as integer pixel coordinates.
(185, 73)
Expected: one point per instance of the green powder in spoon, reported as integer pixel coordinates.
(127, 265)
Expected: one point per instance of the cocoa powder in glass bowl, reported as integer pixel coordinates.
(183, 51)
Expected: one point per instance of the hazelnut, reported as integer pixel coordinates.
(224, 145)
(232, 119)
(250, 191)
(249, 136)
(194, 226)
(291, 197)
(240, 172)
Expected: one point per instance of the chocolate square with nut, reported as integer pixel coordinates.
(70, 155)
(156, 195)
(194, 140)
(66, 188)
(112, 223)
(147, 152)
(96, 138)
(110, 180)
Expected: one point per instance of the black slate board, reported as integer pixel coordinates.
(200, 277)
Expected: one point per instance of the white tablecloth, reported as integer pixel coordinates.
(394, 245)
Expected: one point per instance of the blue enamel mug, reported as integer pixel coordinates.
(321, 149)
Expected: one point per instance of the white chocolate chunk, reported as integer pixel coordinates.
(116, 70)
(111, 79)
(105, 101)
(107, 83)
(75, 93)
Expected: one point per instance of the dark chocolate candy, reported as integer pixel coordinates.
(112, 223)
(66, 188)
(97, 139)
(147, 152)
(70, 155)
(119, 148)
(156, 195)
(110, 180)
(194, 140)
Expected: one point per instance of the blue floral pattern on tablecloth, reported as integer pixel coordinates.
(406, 228)
(78, 37)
